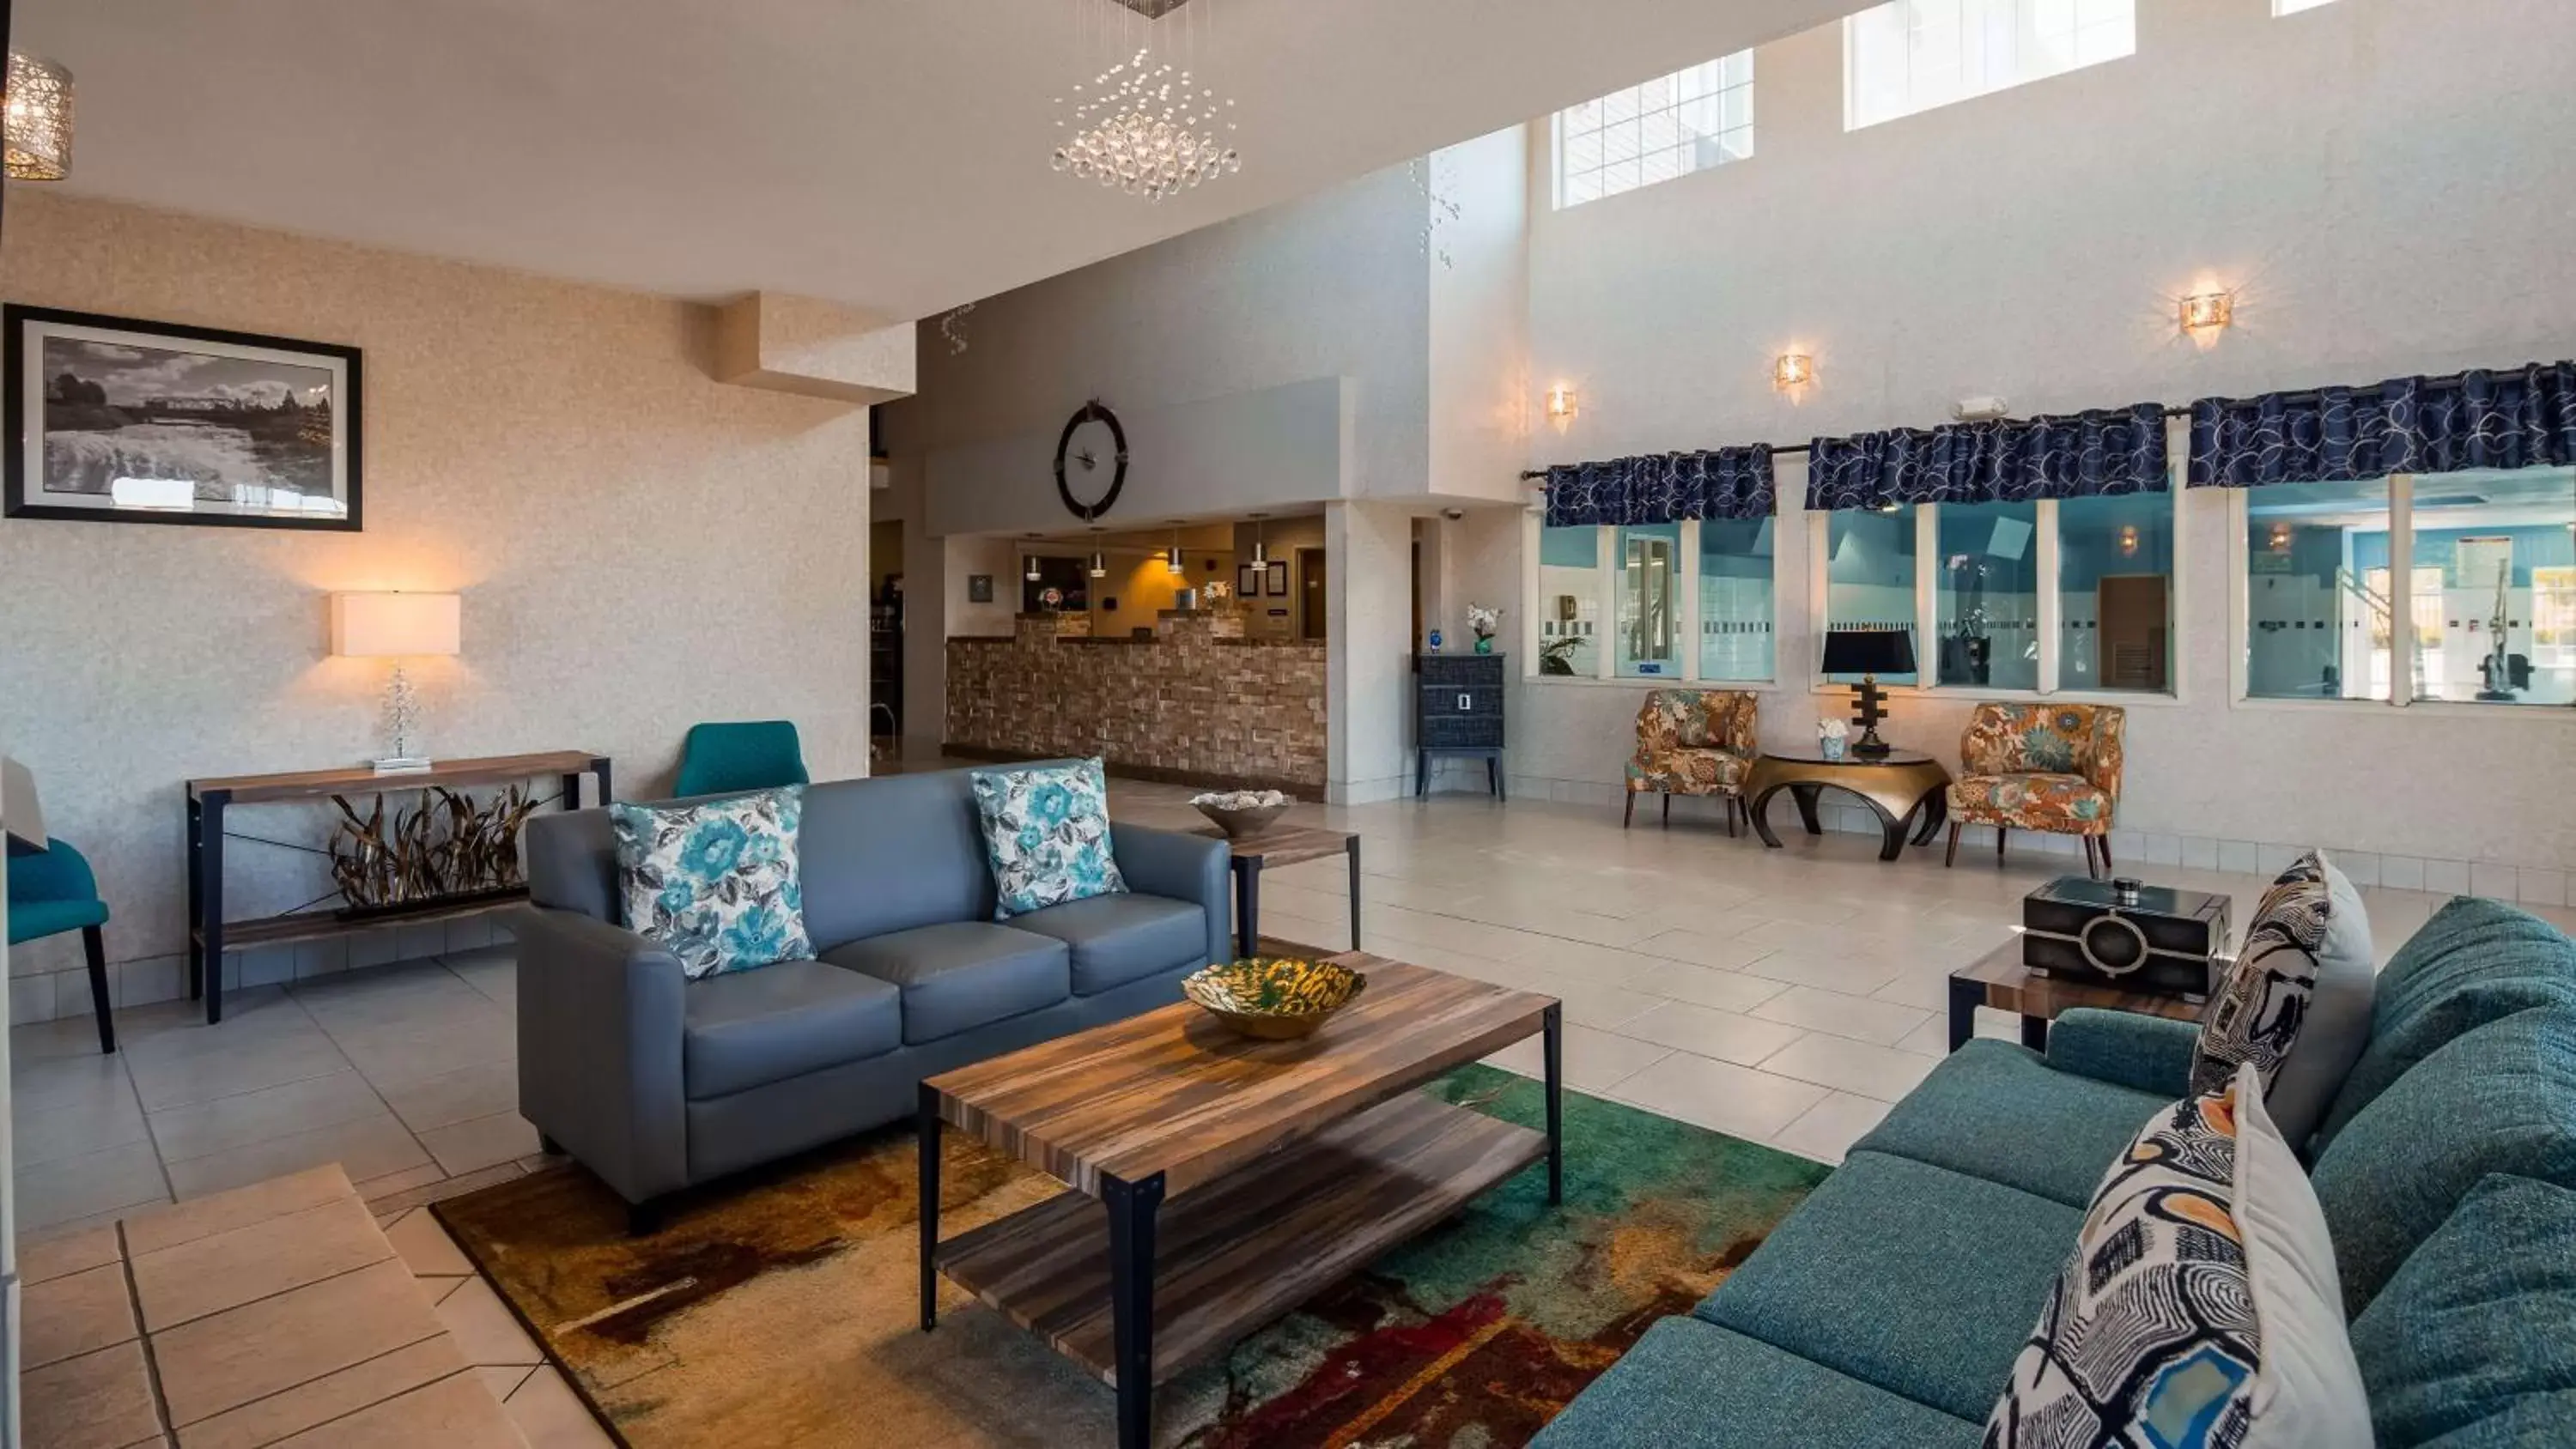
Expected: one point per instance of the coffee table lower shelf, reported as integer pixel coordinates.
(1238, 1252)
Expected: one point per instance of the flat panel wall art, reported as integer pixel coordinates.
(117, 420)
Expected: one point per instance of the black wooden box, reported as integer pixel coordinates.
(2125, 935)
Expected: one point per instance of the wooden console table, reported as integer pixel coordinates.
(209, 933)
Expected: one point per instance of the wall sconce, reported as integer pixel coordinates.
(1792, 370)
(1562, 408)
(2128, 540)
(2280, 538)
(38, 120)
(2208, 312)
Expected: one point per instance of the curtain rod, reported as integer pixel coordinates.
(2294, 399)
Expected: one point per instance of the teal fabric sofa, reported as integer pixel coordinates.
(1887, 1309)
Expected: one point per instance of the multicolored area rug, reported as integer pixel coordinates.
(782, 1312)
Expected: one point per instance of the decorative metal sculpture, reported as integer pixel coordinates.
(445, 845)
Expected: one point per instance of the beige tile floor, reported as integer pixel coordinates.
(1785, 996)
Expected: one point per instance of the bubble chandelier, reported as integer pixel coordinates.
(1146, 129)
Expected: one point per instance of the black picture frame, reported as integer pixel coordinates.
(24, 496)
(1247, 581)
(979, 588)
(1279, 579)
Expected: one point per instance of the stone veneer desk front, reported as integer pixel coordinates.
(1197, 703)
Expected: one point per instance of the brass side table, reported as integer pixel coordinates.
(1906, 789)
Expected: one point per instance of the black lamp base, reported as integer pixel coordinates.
(1869, 706)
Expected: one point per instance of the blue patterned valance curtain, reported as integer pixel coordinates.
(1662, 488)
(2510, 419)
(2081, 455)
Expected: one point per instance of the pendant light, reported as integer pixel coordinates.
(1260, 533)
(1029, 563)
(1172, 563)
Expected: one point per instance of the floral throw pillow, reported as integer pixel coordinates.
(1046, 832)
(716, 882)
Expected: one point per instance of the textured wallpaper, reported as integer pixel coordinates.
(638, 546)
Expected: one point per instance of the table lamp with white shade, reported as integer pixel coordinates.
(400, 627)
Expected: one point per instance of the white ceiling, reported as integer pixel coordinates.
(885, 153)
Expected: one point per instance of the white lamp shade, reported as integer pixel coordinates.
(381, 626)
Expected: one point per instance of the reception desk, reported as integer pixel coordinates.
(1197, 702)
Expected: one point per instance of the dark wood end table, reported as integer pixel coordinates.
(1906, 789)
(209, 934)
(2000, 980)
(1237, 1177)
(1282, 845)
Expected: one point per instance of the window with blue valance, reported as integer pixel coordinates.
(2520, 418)
(1662, 488)
(2080, 455)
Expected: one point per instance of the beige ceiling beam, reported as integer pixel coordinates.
(819, 349)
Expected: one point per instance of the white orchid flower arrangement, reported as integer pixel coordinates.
(1484, 619)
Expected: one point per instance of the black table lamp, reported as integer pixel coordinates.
(1869, 653)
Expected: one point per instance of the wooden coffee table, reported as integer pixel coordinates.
(2000, 980)
(1238, 1177)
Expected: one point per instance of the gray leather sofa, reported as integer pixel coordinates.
(657, 1083)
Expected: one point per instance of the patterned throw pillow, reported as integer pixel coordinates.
(2199, 1308)
(1046, 831)
(2296, 1004)
(716, 882)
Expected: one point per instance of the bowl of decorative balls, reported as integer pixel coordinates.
(1243, 814)
(1275, 998)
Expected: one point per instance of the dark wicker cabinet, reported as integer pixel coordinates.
(1458, 710)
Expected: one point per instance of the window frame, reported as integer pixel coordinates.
(2052, 612)
(1556, 173)
(1607, 588)
(1851, 23)
(2401, 626)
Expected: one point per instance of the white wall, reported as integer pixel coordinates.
(1479, 333)
(639, 548)
(2376, 179)
(1319, 353)
(1331, 288)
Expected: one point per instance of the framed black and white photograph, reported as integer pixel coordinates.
(979, 588)
(123, 421)
(1247, 581)
(1279, 579)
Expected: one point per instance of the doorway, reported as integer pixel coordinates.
(1310, 595)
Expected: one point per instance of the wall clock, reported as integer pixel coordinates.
(1093, 442)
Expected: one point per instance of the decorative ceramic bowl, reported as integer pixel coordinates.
(1243, 814)
(1274, 997)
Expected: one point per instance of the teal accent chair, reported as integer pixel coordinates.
(53, 891)
(1888, 1307)
(721, 759)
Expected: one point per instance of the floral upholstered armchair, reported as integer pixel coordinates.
(2046, 767)
(1693, 742)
